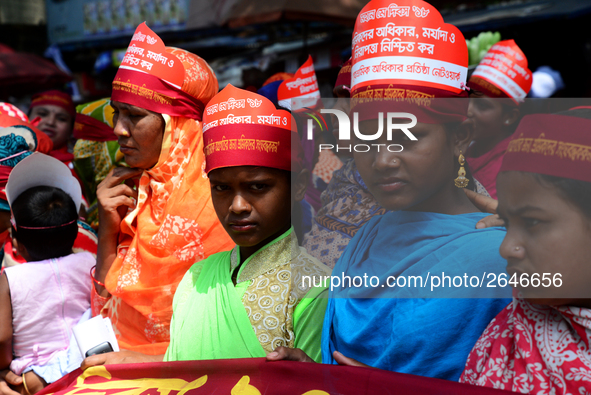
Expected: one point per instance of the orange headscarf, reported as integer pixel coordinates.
(173, 226)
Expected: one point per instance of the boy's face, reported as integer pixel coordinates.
(252, 203)
(545, 234)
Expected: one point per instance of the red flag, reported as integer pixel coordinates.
(252, 376)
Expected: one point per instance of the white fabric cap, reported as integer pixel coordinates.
(42, 170)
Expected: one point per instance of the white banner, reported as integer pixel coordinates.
(500, 80)
(408, 68)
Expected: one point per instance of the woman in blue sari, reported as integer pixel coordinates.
(428, 232)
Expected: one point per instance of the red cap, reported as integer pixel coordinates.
(407, 43)
(550, 144)
(151, 77)
(13, 111)
(503, 73)
(55, 98)
(403, 52)
(242, 128)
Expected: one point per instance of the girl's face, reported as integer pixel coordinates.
(547, 236)
(414, 178)
(55, 122)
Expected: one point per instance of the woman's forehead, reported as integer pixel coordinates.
(51, 108)
(516, 189)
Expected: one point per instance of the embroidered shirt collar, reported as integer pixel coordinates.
(280, 251)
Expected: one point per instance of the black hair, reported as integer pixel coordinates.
(50, 208)
(575, 191)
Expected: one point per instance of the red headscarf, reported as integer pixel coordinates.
(174, 223)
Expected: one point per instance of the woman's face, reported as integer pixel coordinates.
(56, 122)
(413, 177)
(140, 133)
(545, 234)
(488, 117)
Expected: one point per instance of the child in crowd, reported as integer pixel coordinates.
(253, 194)
(246, 302)
(42, 300)
(496, 95)
(18, 140)
(540, 344)
(55, 113)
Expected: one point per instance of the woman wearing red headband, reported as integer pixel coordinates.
(156, 217)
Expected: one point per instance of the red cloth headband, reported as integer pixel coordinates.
(54, 98)
(150, 92)
(429, 105)
(252, 145)
(554, 145)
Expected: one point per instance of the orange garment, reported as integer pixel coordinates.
(173, 226)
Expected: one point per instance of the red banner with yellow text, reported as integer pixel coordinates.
(250, 377)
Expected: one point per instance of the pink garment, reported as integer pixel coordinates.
(486, 167)
(534, 349)
(48, 298)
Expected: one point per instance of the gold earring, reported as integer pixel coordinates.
(461, 181)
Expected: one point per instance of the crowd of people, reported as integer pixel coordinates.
(209, 222)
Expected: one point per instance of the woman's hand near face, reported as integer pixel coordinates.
(115, 195)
